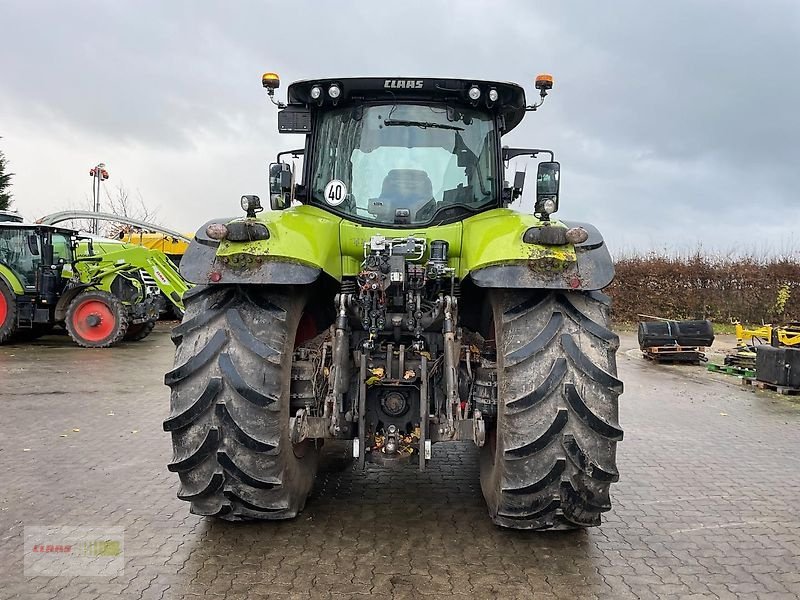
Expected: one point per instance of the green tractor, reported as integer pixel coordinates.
(391, 300)
(101, 291)
(171, 244)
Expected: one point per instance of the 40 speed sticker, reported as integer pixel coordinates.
(335, 192)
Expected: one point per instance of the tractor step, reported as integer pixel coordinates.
(765, 385)
(737, 370)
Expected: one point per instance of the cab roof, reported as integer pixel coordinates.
(37, 227)
(510, 103)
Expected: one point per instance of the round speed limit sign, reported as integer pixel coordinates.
(335, 192)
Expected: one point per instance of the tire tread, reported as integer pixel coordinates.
(230, 405)
(557, 426)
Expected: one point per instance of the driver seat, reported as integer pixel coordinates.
(403, 188)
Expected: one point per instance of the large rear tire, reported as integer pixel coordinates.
(230, 404)
(8, 312)
(551, 458)
(96, 319)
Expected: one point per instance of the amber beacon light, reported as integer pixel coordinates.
(271, 81)
(544, 82)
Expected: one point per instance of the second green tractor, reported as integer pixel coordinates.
(101, 291)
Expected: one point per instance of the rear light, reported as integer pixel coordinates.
(549, 235)
(246, 231)
(576, 235)
(217, 231)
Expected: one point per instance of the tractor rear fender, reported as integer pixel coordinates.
(303, 243)
(494, 255)
(11, 280)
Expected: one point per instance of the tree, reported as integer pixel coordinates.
(124, 205)
(118, 202)
(5, 183)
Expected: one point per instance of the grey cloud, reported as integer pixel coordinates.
(667, 117)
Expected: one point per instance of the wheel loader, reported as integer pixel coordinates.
(101, 291)
(390, 300)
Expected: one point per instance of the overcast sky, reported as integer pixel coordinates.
(675, 122)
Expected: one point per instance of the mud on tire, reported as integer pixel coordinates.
(229, 415)
(550, 460)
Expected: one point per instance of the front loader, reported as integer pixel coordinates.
(101, 291)
(391, 300)
(155, 254)
(155, 268)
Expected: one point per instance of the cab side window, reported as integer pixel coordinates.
(61, 248)
(19, 250)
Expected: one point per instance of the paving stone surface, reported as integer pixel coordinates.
(708, 505)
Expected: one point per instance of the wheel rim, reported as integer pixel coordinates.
(3, 309)
(93, 320)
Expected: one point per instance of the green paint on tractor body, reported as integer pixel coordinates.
(310, 236)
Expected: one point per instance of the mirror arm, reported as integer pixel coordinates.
(295, 153)
(509, 153)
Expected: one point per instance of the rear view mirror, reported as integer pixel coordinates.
(280, 186)
(519, 183)
(547, 185)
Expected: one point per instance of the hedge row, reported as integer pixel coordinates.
(699, 287)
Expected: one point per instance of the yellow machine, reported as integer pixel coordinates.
(142, 233)
(788, 335)
(169, 245)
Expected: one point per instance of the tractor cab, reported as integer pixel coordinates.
(39, 257)
(10, 216)
(403, 152)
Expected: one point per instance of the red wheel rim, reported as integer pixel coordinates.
(3, 309)
(93, 320)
